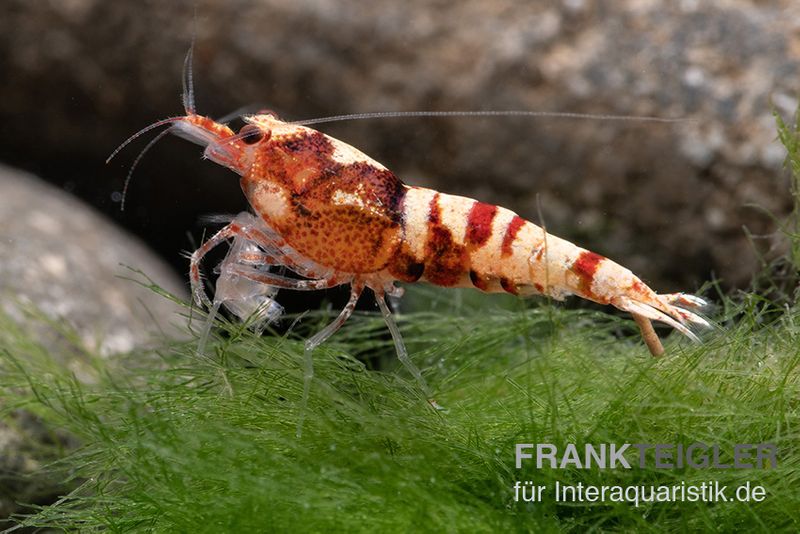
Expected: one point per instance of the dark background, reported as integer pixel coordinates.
(668, 201)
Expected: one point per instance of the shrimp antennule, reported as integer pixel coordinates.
(188, 82)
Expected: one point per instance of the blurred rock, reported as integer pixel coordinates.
(68, 262)
(668, 201)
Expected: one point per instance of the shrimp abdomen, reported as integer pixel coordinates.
(455, 241)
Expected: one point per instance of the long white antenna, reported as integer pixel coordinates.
(494, 113)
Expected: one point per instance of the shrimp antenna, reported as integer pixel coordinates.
(146, 129)
(147, 147)
(188, 81)
(488, 113)
(187, 97)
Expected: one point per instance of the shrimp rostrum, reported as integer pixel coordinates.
(333, 215)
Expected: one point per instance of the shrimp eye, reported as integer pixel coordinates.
(251, 134)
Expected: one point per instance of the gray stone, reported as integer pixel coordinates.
(62, 258)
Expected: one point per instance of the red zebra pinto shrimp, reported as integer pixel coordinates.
(335, 216)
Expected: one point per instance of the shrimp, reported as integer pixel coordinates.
(335, 216)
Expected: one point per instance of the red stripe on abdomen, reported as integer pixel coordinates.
(445, 260)
(479, 223)
(585, 267)
(511, 233)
